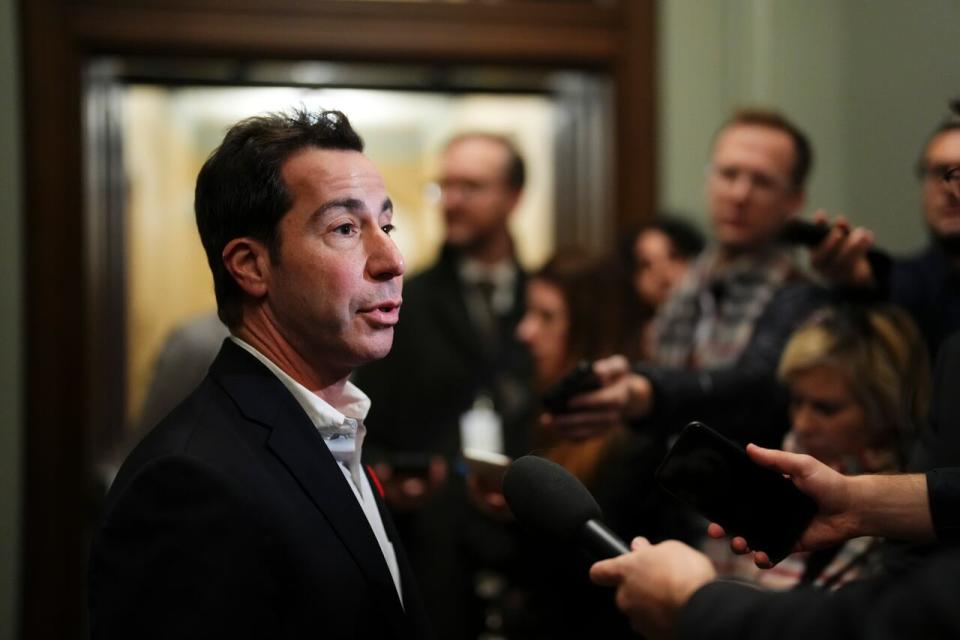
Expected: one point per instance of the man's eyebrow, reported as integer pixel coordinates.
(350, 204)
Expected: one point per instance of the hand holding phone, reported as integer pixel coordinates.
(580, 380)
(410, 479)
(485, 470)
(410, 463)
(715, 476)
(487, 465)
(803, 233)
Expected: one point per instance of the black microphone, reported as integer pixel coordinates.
(549, 499)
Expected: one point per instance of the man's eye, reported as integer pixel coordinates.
(344, 229)
(764, 182)
(729, 173)
(388, 228)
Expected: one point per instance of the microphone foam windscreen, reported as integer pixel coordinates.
(545, 496)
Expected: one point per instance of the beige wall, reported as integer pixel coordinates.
(10, 327)
(867, 79)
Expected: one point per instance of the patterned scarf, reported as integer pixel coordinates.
(709, 319)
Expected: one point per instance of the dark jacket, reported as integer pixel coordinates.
(744, 401)
(928, 287)
(920, 603)
(232, 520)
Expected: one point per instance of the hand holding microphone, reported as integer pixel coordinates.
(652, 583)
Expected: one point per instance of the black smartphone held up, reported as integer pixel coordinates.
(803, 233)
(580, 380)
(409, 463)
(716, 476)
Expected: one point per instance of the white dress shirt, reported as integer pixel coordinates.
(342, 431)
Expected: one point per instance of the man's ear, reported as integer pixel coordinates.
(248, 261)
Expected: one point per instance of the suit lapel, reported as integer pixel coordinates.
(294, 440)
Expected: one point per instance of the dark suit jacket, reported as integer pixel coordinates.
(939, 444)
(927, 285)
(919, 604)
(232, 519)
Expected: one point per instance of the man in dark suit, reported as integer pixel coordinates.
(456, 359)
(927, 284)
(246, 513)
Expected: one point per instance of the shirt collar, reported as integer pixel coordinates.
(342, 429)
(501, 274)
(743, 266)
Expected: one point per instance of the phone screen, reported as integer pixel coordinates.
(716, 476)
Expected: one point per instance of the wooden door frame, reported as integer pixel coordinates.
(60, 36)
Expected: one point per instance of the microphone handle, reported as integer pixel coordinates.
(600, 541)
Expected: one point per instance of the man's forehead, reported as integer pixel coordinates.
(475, 153)
(328, 170)
(764, 144)
(945, 145)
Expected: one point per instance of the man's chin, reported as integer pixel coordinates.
(458, 235)
(379, 348)
(737, 245)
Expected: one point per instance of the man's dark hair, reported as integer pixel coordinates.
(802, 151)
(951, 123)
(240, 189)
(515, 173)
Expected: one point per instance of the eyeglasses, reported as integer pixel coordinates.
(466, 188)
(946, 174)
(762, 184)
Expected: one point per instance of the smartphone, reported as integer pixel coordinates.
(580, 380)
(488, 466)
(801, 232)
(409, 463)
(716, 477)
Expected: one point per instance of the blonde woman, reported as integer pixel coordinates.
(859, 385)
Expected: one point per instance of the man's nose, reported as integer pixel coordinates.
(741, 186)
(384, 261)
(525, 330)
(952, 188)
(450, 196)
